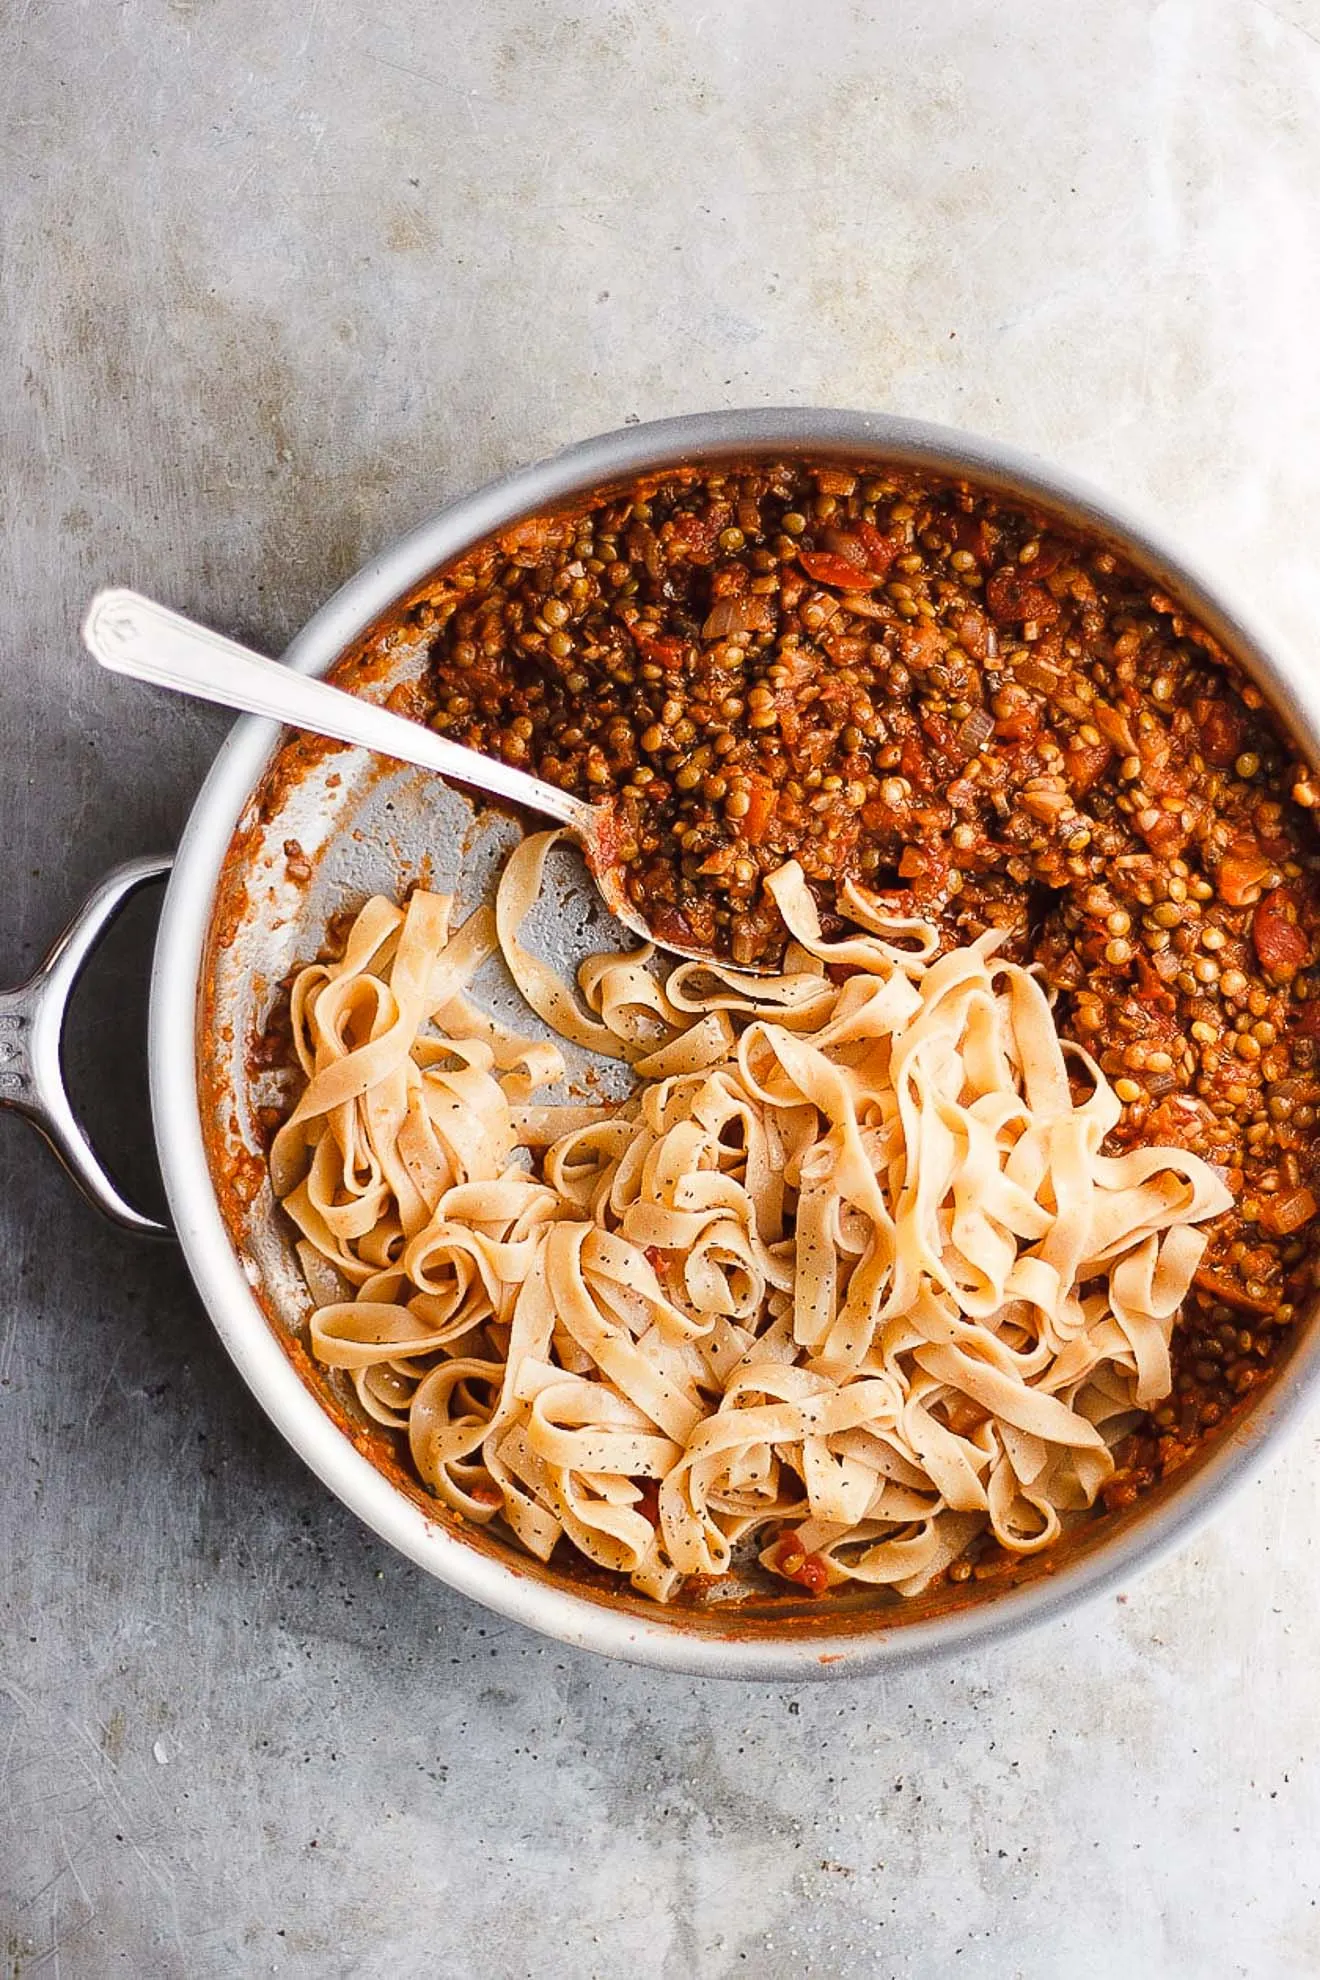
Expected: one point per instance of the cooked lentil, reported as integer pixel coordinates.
(989, 719)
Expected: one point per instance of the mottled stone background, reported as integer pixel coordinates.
(277, 281)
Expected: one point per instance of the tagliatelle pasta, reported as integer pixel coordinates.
(846, 1278)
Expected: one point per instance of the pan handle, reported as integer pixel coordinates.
(32, 1021)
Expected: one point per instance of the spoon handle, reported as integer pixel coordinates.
(133, 635)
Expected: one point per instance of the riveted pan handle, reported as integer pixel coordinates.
(32, 1022)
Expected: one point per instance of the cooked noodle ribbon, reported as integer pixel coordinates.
(848, 1271)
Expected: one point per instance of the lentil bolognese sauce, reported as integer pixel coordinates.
(993, 722)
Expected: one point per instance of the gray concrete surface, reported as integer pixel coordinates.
(276, 281)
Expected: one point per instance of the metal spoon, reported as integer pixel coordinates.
(133, 635)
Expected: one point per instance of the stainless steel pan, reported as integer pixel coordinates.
(268, 858)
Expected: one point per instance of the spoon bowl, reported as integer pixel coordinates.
(131, 634)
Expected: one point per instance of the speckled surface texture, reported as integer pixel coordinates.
(277, 282)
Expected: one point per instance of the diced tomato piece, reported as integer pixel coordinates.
(845, 649)
(913, 764)
(670, 924)
(834, 481)
(920, 645)
(530, 535)
(1154, 990)
(729, 581)
(814, 1574)
(1282, 1215)
(824, 567)
(788, 1553)
(1048, 558)
(790, 715)
(1222, 731)
(696, 533)
(845, 544)
(1020, 727)
(880, 550)
(1282, 946)
(1241, 876)
(662, 651)
(1307, 1019)
(844, 843)
(1229, 1291)
(1165, 834)
(1044, 665)
(974, 633)
(1014, 597)
(1084, 763)
(975, 534)
(1178, 1119)
(810, 1571)
(752, 827)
